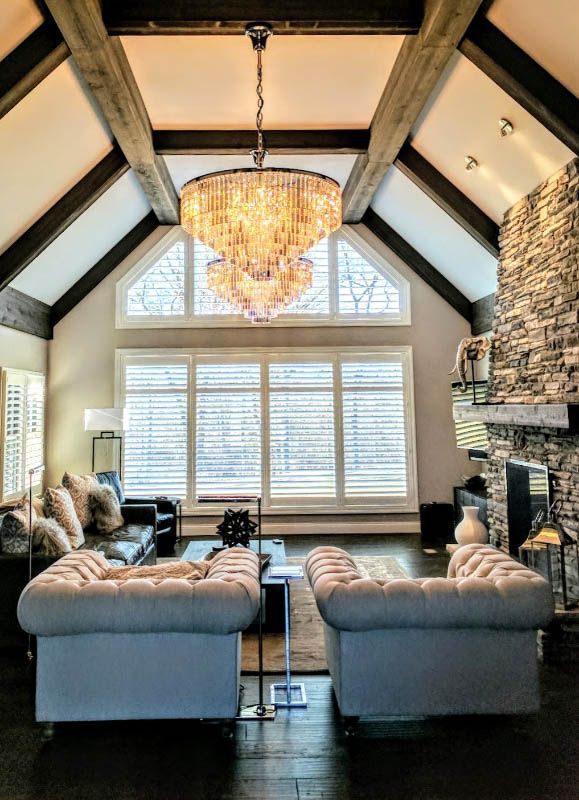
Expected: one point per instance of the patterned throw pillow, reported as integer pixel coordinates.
(15, 530)
(79, 487)
(59, 506)
(105, 508)
(49, 538)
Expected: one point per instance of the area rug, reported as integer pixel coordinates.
(307, 643)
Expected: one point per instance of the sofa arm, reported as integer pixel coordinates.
(347, 601)
(75, 597)
(140, 515)
(164, 505)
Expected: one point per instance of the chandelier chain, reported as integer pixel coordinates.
(259, 154)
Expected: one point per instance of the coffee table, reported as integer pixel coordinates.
(273, 613)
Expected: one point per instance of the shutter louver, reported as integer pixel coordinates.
(34, 455)
(155, 444)
(14, 435)
(23, 431)
(374, 430)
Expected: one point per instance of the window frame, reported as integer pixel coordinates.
(333, 319)
(265, 356)
(26, 375)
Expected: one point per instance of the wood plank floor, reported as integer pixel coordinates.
(304, 753)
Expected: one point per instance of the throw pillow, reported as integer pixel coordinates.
(59, 506)
(49, 538)
(15, 530)
(79, 487)
(105, 509)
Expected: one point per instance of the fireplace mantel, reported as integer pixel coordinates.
(563, 416)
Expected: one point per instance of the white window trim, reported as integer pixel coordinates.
(189, 320)
(292, 353)
(38, 485)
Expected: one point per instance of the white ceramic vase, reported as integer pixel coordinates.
(470, 529)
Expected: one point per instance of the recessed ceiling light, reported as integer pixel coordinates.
(505, 127)
(470, 163)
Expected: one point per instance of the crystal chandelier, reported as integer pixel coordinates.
(260, 221)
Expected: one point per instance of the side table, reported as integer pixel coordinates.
(288, 694)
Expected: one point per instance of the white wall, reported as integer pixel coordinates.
(23, 351)
(82, 356)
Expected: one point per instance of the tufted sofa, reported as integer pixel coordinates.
(145, 648)
(464, 644)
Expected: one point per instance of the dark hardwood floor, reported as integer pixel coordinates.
(304, 753)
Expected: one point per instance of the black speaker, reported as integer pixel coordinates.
(436, 523)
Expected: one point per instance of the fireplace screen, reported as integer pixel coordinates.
(527, 495)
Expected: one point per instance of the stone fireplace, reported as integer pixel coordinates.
(535, 352)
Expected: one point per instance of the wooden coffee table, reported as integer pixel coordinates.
(273, 588)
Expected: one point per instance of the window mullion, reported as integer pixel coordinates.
(265, 434)
(338, 431)
(191, 434)
(333, 274)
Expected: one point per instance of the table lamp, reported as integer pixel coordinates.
(107, 421)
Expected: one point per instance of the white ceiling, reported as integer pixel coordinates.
(85, 242)
(436, 236)
(207, 82)
(547, 30)
(18, 18)
(50, 140)
(184, 168)
(461, 118)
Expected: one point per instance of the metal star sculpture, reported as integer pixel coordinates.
(236, 528)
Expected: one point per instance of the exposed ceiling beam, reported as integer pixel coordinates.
(416, 70)
(105, 68)
(418, 263)
(524, 80)
(29, 64)
(104, 267)
(308, 142)
(62, 214)
(482, 314)
(134, 17)
(445, 194)
(24, 313)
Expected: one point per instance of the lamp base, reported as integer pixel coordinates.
(297, 695)
(256, 713)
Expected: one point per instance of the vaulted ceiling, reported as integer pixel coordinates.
(104, 116)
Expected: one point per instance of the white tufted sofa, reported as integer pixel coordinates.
(139, 648)
(464, 644)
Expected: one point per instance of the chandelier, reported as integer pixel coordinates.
(260, 221)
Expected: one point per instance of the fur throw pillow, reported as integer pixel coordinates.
(59, 506)
(49, 538)
(79, 487)
(15, 530)
(105, 509)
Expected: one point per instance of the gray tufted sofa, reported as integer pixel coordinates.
(465, 644)
(139, 648)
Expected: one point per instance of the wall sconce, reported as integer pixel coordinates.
(505, 127)
(470, 162)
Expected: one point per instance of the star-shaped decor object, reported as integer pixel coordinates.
(236, 528)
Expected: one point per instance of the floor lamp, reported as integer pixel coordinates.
(259, 712)
(107, 421)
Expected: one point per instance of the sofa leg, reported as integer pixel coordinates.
(47, 731)
(228, 729)
(351, 726)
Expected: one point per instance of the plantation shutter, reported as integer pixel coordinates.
(23, 430)
(155, 444)
(228, 428)
(34, 439)
(301, 433)
(374, 427)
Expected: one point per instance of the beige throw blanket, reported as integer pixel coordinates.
(190, 570)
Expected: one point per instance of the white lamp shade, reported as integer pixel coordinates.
(105, 419)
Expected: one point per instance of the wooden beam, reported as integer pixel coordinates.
(310, 142)
(416, 71)
(105, 68)
(417, 263)
(483, 314)
(29, 64)
(456, 204)
(135, 17)
(24, 313)
(62, 214)
(524, 80)
(104, 267)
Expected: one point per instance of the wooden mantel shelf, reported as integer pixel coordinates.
(564, 416)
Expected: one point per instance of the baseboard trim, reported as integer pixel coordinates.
(313, 528)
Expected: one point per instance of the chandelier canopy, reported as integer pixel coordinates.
(260, 221)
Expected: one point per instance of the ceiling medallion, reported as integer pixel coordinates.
(260, 221)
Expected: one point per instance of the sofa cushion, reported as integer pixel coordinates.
(502, 595)
(112, 479)
(15, 528)
(73, 597)
(58, 505)
(79, 487)
(127, 544)
(105, 509)
(50, 538)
